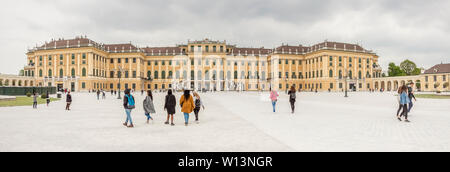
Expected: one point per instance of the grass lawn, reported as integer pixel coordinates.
(24, 101)
(432, 96)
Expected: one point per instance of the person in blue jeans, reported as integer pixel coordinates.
(274, 98)
(129, 105)
(411, 96)
(404, 101)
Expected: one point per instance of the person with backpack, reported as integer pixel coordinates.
(169, 105)
(411, 96)
(292, 96)
(198, 105)
(149, 108)
(129, 105)
(187, 105)
(68, 100)
(98, 94)
(274, 98)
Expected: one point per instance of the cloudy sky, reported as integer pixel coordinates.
(418, 30)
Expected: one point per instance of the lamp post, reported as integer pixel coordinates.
(119, 75)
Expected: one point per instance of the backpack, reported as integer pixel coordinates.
(292, 96)
(198, 103)
(131, 104)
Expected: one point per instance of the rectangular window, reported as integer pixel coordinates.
(119, 60)
(163, 63)
(84, 55)
(340, 85)
(126, 60)
(434, 78)
(331, 85)
(83, 85)
(221, 49)
(134, 60)
(111, 61)
(444, 78)
(73, 56)
(207, 48)
(134, 74)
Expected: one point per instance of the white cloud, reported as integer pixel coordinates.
(414, 29)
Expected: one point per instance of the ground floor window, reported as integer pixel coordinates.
(164, 86)
(83, 85)
(280, 86)
(340, 85)
(111, 86)
(360, 85)
(149, 86)
(134, 86)
(126, 86)
(156, 86)
(331, 85)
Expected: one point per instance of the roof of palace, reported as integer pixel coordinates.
(83, 41)
(440, 68)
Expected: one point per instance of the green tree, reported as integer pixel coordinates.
(395, 70)
(408, 67)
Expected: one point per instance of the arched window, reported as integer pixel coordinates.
(149, 74)
(199, 75)
(84, 72)
(235, 75)
(170, 75)
(49, 73)
(331, 74)
(73, 72)
(61, 73)
(163, 73)
(40, 72)
(156, 75)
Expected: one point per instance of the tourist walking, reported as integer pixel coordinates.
(411, 96)
(103, 95)
(400, 107)
(35, 96)
(98, 94)
(129, 105)
(198, 105)
(149, 107)
(68, 100)
(169, 105)
(187, 105)
(292, 98)
(48, 99)
(404, 101)
(274, 98)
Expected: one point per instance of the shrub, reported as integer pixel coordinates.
(28, 94)
(43, 96)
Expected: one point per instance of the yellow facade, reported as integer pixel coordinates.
(81, 64)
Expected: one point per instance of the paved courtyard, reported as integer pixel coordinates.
(232, 122)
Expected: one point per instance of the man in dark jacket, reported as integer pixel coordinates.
(68, 100)
(411, 95)
(128, 104)
(169, 105)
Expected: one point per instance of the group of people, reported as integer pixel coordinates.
(292, 98)
(406, 96)
(187, 104)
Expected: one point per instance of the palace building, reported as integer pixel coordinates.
(82, 64)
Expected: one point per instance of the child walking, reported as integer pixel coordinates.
(149, 107)
(198, 105)
(169, 106)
